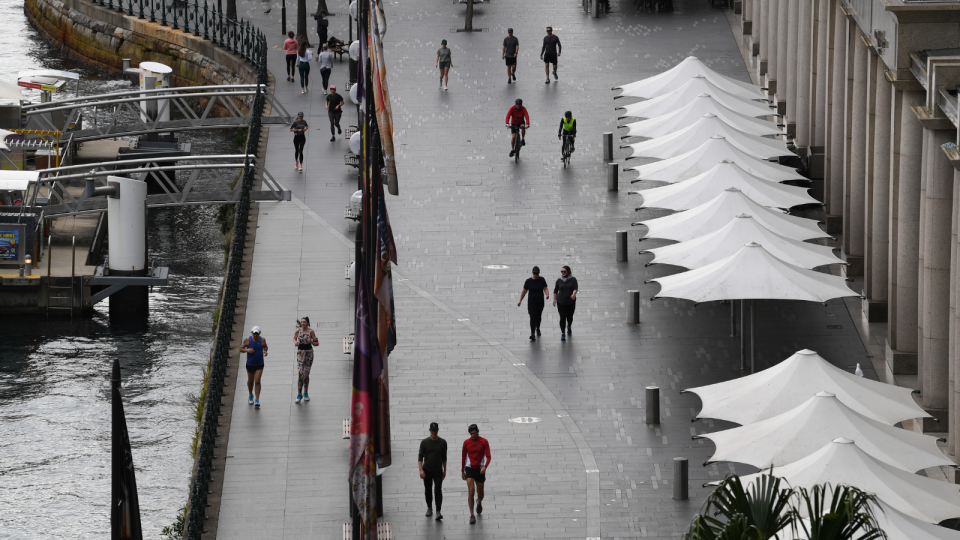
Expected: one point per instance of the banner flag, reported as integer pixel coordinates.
(381, 95)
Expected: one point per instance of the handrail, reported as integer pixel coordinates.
(144, 161)
(171, 91)
(135, 99)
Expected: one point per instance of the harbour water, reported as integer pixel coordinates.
(54, 374)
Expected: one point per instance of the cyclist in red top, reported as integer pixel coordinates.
(518, 119)
(475, 459)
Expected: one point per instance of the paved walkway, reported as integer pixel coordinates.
(463, 354)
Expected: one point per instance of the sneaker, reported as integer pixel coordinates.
(511, 153)
(533, 337)
(301, 168)
(429, 512)
(547, 82)
(445, 87)
(339, 131)
(555, 75)
(523, 142)
(296, 165)
(439, 516)
(509, 80)
(299, 397)
(441, 83)
(473, 520)
(250, 399)
(479, 508)
(514, 76)
(306, 396)
(538, 332)
(256, 404)
(563, 337)
(333, 138)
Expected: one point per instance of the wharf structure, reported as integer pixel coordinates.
(868, 93)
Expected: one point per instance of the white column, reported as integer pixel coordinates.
(771, 41)
(876, 282)
(783, 20)
(836, 112)
(790, 67)
(854, 164)
(806, 73)
(824, 47)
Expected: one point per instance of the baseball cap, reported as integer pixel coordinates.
(255, 329)
(536, 269)
(510, 30)
(444, 42)
(333, 87)
(473, 427)
(434, 426)
(300, 114)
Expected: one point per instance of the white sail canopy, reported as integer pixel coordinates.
(896, 524)
(712, 247)
(786, 385)
(704, 157)
(690, 113)
(843, 462)
(689, 138)
(683, 95)
(705, 187)
(673, 78)
(752, 273)
(803, 430)
(713, 215)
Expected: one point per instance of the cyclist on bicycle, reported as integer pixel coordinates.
(568, 127)
(517, 120)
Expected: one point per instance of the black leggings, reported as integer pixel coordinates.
(435, 478)
(566, 315)
(298, 141)
(291, 65)
(536, 314)
(334, 117)
(304, 74)
(325, 75)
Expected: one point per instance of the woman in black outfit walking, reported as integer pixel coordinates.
(565, 298)
(299, 128)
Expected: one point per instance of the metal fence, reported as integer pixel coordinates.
(202, 19)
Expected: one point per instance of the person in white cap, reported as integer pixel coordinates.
(256, 349)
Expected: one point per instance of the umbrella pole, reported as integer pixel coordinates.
(733, 319)
(742, 337)
(753, 341)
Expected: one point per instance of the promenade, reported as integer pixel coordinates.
(590, 467)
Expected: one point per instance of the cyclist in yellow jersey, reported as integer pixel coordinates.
(568, 126)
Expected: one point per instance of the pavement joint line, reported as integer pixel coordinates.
(586, 454)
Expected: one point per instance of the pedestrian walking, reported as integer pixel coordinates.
(511, 47)
(334, 111)
(432, 460)
(474, 461)
(299, 129)
(290, 47)
(304, 338)
(444, 62)
(326, 65)
(550, 53)
(304, 55)
(535, 285)
(256, 349)
(322, 24)
(565, 298)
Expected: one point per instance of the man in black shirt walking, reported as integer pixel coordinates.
(433, 467)
(511, 46)
(534, 285)
(550, 53)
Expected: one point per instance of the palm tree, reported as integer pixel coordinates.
(302, 22)
(232, 10)
(766, 510)
(468, 24)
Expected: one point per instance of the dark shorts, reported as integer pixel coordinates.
(475, 474)
(254, 369)
(444, 65)
(550, 59)
(511, 60)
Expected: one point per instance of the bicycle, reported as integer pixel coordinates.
(517, 140)
(566, 150)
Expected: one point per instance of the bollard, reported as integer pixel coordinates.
(633, 307)
(608, 146)
(613, 180)
(621, 246)
(653, 405)
(680, 479)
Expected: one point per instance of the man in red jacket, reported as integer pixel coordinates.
(475, 459)
(517, 120)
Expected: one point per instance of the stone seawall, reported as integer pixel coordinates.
(103, 37)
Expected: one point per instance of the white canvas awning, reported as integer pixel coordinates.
(752, 273)
(675, 77)
(3, 135)
(803, 430)
(713, 215)
(683, 95)
(690, 138)
(712, 247)
(786, 385)
(704, 157)
(690, 113)
(896, 524)
(843, 462)
(705, 187)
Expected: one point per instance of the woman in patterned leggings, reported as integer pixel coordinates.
(304, 338)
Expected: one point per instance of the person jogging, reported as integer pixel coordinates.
(304, 55)
(334, 111)
(290, 47)
(474, 461)
(550, 53)
(511, 47)
(534, 285)
(432, 461)
(565, 299)
(299, 129)
(444, 62)
(304, 338)
(256, 349)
